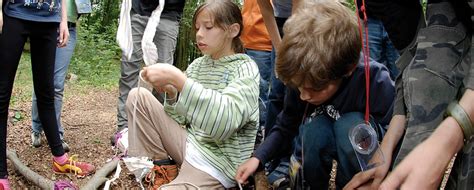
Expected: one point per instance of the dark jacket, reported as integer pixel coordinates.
(173, 8)
(349, 98)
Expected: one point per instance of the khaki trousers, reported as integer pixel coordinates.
(157, 136)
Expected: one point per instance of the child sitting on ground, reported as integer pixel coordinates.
(209, 127)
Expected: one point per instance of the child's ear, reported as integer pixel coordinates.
(234, 30)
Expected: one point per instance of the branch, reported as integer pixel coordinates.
(100, 175)
(29, 174)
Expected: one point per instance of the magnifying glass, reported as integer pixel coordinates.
(364, 141)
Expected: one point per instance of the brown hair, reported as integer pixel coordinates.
(321, 44)
(224, 14)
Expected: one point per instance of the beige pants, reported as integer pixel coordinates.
(156, 135)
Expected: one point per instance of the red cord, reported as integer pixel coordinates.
(366, 53)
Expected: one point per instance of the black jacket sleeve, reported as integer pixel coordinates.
(281, 136)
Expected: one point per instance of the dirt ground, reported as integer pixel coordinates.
(89, 118)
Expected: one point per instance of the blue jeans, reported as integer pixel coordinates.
(381, 48)
(276, 97)
(63, 58)
(320, 141)
(264, 63)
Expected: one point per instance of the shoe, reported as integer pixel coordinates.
(65, 146)
(80, 169)
(36, 139)
(162, 173)
(5, 184)
(64, 184)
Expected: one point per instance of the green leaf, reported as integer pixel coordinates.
(18, 115)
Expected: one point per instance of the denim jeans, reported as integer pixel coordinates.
(320, 141)
(381, 48)
(61, 65)
(165, 40)
(264, 63)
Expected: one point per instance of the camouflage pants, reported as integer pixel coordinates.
(432, 79)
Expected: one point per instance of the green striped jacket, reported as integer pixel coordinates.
(219, 104)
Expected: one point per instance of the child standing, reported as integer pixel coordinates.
(209, 128)
(319, 59)
(38, 21)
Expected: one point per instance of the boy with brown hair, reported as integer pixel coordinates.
(319, 59)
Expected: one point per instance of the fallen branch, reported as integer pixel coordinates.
(29, 174)
(100, 176)
(84, 124)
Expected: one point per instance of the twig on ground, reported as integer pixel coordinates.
(100, 176)
(29, 174)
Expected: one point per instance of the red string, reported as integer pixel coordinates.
(366, 53)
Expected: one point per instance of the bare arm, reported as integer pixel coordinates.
(63, 30)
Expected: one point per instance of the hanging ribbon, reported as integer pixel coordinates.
(366, 54)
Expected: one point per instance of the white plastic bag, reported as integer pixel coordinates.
(124, 31)
(121, 139)
(139, 166)
(150, 52)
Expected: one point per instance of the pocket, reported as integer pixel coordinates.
(441, 50)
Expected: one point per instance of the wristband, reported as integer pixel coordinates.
(457, 112)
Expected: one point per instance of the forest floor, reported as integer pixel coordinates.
(89, 119)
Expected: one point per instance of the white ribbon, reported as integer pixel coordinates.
(124, 31)
(150, 52)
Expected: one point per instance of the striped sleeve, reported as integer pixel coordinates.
(220, 114)
(170, 108)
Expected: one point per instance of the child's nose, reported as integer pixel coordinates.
(304, 95)
(199, 34)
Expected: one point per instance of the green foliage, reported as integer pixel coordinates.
(96, 60)
(18, 116)
(186, 50)
(350, 4)
(97, 57)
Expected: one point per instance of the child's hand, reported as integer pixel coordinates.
(63, 34)
(161, 74)
(170, 91)
(246, 169)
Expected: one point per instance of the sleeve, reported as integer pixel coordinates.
(469, 81)
(220, 114)
(170, 108)
(280, 138)
(382, 100)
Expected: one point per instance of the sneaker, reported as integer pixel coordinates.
(36, 139)
(162, 173)
(81, 169)
(65, 146)
(4, 184)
